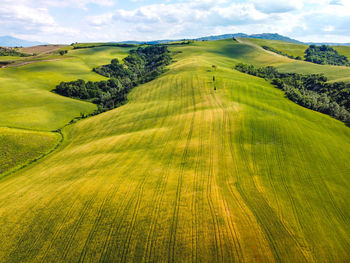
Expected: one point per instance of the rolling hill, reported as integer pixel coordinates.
(182, 172)
(268, 36)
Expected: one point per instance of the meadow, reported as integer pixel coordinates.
(252, 53)
(182, 172)
(286, 47)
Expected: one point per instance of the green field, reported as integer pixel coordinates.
(286, 47)
(25, 97)
(181, 173)
(21, 146)
(344, 50)
(250, 52)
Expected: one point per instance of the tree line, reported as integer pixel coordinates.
(12, 52)
(310, 91)
(140, 66)
(325, 55)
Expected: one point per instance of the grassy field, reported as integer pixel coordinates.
(286, 47)
(27, 103)
(333, 73)
(183, 173)
(293, 49)
(250, 52)
(25, 97)
(344, 50)
(18, 147)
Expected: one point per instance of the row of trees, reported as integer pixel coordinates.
(325, 55)
(310, 91)
(11, 52)
(281, 52)
(142, 65)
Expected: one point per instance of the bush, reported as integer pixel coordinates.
(325, 55)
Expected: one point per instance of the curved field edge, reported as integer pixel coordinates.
(19, 148)
(252, 53)
(186, 173)
(286, 47)
(294, 49)
(25, 97)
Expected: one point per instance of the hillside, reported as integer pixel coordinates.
(181, 173)
(286, 47)
(253, 53)
(25, 97)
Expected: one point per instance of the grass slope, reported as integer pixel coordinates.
(252, 53)
(286, 47)
(344, 50)
(185, 174)
(25, 97)
(18, 147)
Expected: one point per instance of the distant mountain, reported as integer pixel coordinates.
(8, 41)
(218, 37)
(328, 44)
(268, 36)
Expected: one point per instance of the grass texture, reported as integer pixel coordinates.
(183, 173)
(25, 97)
(20, 146)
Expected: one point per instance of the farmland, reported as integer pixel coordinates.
(182, 172)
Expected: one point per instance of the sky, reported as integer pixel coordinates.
(67, 21)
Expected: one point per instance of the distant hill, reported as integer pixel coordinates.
(9, 41)
(328, 44)
(218, 37)
(269, 36)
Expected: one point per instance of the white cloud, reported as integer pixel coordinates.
(70, 3)
(328, 28)
(20, 13)
(45, 20)
(277, 6)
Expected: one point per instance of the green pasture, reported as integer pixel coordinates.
(286, 47)
(25, 97)
(249, 52)
(18, 147)
(183, 173)
(344, 50)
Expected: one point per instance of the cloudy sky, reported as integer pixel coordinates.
(66, 21)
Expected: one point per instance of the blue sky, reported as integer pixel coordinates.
(67, 21)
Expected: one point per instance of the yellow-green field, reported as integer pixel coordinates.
(25, 97)
(286, 47)
(183, 173)
(344, 50)
(251, 52)
(19, 147)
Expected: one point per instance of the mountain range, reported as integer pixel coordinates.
(269, 36)
(9, 41)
